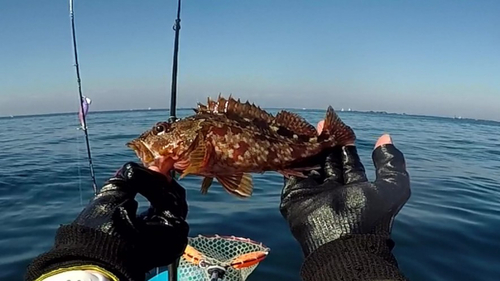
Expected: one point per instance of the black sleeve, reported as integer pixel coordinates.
(357, 257)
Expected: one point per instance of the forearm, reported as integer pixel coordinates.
(358, 257)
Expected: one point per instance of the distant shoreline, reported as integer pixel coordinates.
(268, 108)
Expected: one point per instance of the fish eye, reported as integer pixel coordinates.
(160, 127)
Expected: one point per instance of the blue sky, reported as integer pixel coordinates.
(420, 57)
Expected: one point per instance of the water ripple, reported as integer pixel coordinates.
(448, 230)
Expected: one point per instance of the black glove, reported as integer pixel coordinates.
(339, 201)
(165, 230)
(108, 234)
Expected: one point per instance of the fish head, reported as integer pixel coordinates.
(164, 144)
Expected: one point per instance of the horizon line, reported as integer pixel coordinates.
(295, 108)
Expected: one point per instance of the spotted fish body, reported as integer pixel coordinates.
(228, 140)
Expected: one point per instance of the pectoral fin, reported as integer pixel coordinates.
(205, 185)
(240, 185)
(197, 158)
(195, 161)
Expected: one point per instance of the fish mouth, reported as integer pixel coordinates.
(149, 160)
(142, 151)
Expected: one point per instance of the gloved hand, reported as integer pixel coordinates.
(108, 237)
(165, 230)
(340, 202)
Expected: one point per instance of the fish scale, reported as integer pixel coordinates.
(228, 140)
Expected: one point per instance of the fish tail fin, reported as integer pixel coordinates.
(336, 130)
(240, 185)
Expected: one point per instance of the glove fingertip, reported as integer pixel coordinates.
(390, 166)
(290, 180)
(127, 170)
(388, 153)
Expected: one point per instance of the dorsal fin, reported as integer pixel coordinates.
(295, 123)
(200, 109)
(231, 106)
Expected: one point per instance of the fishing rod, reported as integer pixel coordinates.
(172, 268)
(79, 81)
(173, 90)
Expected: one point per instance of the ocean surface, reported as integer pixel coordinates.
(448, 230)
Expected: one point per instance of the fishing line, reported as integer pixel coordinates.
(172, 268)
(78, 168)
(84, 121)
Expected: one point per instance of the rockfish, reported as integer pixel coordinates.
(228, 140)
